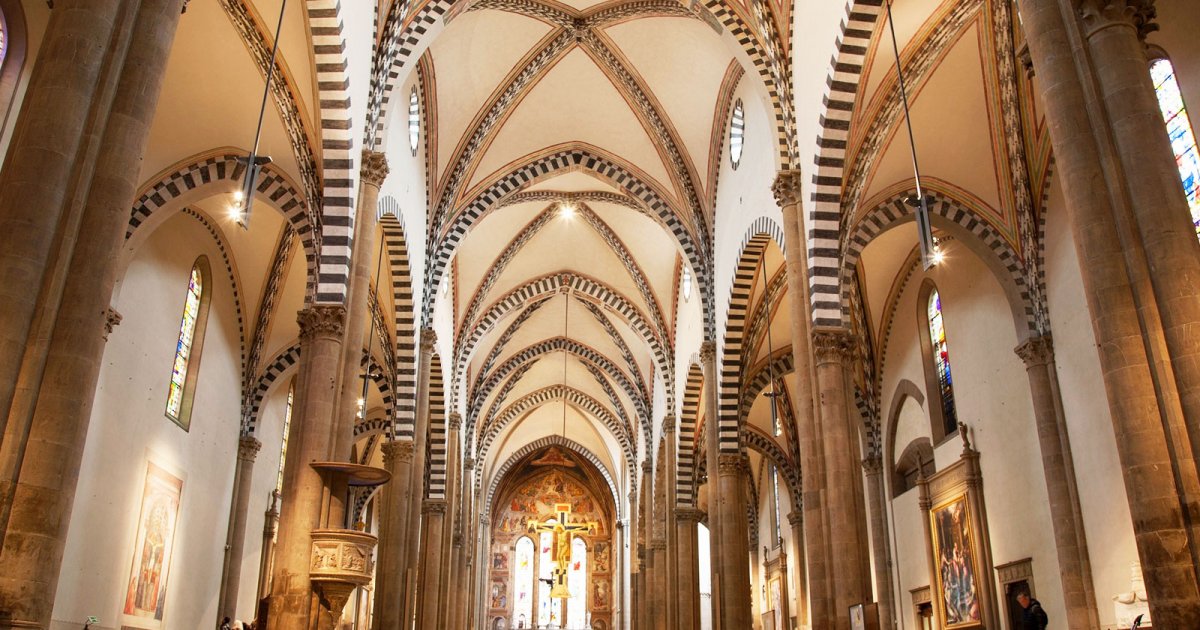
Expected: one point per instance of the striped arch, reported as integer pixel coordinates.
(782, 364)
(554, 440)
(580, 401)
(444, 241)
(685, 486)
(280, 365)
(549, 285)
(965, 222)
(756, 441)
(485, 383)
(436, 470)
(872, 432)
(212, 173)
(382, 380)
(396, 246)
(338, 160)
(729, 386)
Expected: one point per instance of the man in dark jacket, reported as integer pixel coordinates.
(1035, 617)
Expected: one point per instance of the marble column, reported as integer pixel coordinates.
(1070, 542)
(873, 467)
(788, 188)
(433, 513)
(1112, 289)
(389, 572)
(796, 520)
(43, 445)
(321, 332)
(670, 559)
(708, 366)
(417, 477)
(235, 539)
(60, 114)
(1114, 30)
(686, 588)
(267, 553)
(833, 350)
(734, 544)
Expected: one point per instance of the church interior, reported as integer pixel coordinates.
(599, 314)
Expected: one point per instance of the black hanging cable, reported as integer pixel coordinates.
(929, 254)
(566, 335)
(254, 162)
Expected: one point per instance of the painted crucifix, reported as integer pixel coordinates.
(563, 530)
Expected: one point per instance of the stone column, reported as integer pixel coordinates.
(671, 558)
(458, 592)
(43, 446)
(661, 590)
(708, 365)
(433, 513)
(1156, 499)
(873, 467)
(641, 618)
(61, 106)
(389, 572)
(450, 524)
(834, 350)
(417, 477)
(734, 544)
(785, 601)
(788, 187)
(267, 553)
(235, 539)
(687, 561)
(321, 332)
(1069, 541)
(796, 520)
(1114, 30)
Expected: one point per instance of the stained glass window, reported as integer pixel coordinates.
(523, 587)
(775, 501)
(183, 347)
(737, 130)
(287, 425)
(941, 362)
(414, 120)
(687, 283)
(577, 584)
(1179, 129)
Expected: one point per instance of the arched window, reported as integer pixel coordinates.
(577, 584)
(414, 120)
(187, 348)
(737, 131)
(523, 587)
(938, 380)
(686, 281)
(549, 609)
(1179, 129)
(917, 458)
(287, 425)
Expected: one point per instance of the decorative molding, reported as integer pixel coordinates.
(111, 320)
(1036, 351)
(833, 345)
(248, 448)
(322, 321)
(374, 167)
(788, 187)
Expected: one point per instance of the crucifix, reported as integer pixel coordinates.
(563, 530)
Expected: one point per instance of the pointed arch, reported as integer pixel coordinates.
(403, 305)
(770, 449)
(567, 443)
(437, 442)
(276, 369)
(689, 416)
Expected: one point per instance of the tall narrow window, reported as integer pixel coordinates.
(577, 584)
(737, 134)
(775, 502)
(549, 609)
(941, 362)
(287, 425)
(1179, 129)
(414, 120)
(523, 587)
(687, 283)
(187, 348)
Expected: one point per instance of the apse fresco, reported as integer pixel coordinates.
(536, 499)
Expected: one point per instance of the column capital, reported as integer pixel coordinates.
(455, 421)
(708, 351)
(658, 544)
(647, 466)
(1098, 15)
(872, 465)
(833, 345)
(428, 338)
(730, 464)
(469, 463)
(788, 187)
(111, 319)
(432, 506)
(374, 167)
(1036, 351)
(668, 423)
(248, 448)
(400, 451)
(688, 515)
(795, 518)
(326, 320)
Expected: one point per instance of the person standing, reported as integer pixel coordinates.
(1034, 617)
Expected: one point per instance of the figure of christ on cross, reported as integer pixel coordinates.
(564, 530)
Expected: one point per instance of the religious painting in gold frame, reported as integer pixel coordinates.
(146, 594)
(956, 569)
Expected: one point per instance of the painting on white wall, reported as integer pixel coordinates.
(146, 595)
(955, 560)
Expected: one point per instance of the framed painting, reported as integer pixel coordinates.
(955, 567)
(777, 601)
(146, 593)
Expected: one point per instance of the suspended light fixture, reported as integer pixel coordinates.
(243, 198)
(930, 255)
(566, 210)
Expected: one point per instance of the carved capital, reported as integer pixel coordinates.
(1026, 60)
(248, 448)
(730, 464)
(658, 544)
(647, 466)
(111, 319)
(688, 515)
(399, 451)
(374, 167)
(434, 506)
(455, 421)
(795, 518)
(872, 465)
(787, 187)
(469, 464)
(833, 345)
(428, 339)
(1098, 15)
(322, 321)
(1036, 351)
(708, 352)
(668, 424)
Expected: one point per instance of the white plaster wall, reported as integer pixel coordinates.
(1105, 510)
(128, 425)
